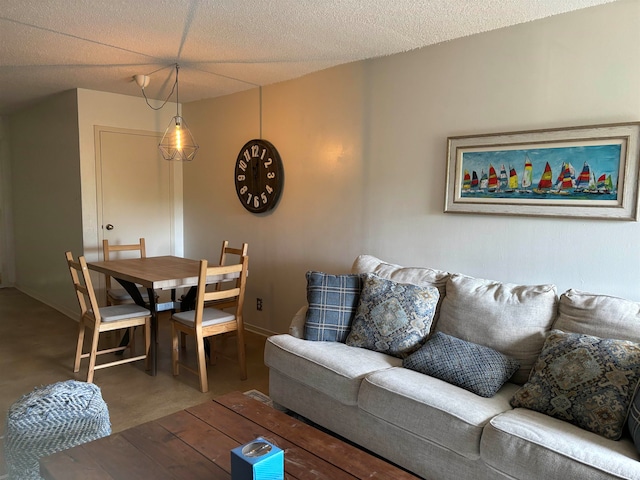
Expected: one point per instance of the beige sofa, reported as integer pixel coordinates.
(441, 431)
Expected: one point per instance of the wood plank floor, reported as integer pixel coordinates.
(38, 342)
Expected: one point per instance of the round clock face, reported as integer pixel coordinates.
(259, 176)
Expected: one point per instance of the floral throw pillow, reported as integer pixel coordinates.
(392, 318)
(585, 380)
(479, 369)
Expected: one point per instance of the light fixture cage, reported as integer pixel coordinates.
(177, 143)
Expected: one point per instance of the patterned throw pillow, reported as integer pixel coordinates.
(584, 380)
(392, 318)
(333, 300)
(476, 368)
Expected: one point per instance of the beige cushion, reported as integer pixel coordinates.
(210, 316)
(599, 315)
(512, 319)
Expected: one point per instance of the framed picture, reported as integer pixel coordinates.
(589, 171)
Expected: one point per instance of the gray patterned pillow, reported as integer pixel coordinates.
(634, 420)
(584, 380)
(392, 318)
(333, 300)
(476, 368)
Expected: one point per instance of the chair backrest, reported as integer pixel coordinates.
(83, 287)
(233, 295)
(227, 250)
(108, 249)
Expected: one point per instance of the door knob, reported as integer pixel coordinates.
(109, 226)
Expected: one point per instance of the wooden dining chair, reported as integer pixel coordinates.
(119, 296)
(104, 319)
(205, 322)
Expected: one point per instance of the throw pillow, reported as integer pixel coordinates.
(585, 380)
(392, 318)
(476, 368)
(634, 419)
(333, 300)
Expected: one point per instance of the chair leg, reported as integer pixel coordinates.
(94, 352)
(202, 364)
(175, 352)
(132, 341)
(76, 364)
(147, 344)
(242, 357)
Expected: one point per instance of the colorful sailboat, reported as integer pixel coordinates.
(527, 175)
(583, 181)
(484, 181)
(604, 184)
(466, 181)
(493, 184)
(474, 181)
(504, 179)
(566, 180)
(546, 181)
(513, 179)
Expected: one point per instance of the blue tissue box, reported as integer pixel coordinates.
(257, 460)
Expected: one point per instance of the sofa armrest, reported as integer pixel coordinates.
(296, 329)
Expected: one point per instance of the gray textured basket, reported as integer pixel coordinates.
(50, 419)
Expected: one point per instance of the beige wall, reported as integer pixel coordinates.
(47, 213)
(364, 153)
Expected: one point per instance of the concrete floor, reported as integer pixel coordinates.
(37, 346)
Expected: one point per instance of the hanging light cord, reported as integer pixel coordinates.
(174, 87)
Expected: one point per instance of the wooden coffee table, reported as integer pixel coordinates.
(195, 444)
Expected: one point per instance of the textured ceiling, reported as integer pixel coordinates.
(223, 46)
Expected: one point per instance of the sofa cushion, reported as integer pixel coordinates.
(431, 409)
(416, 275)
(512, 319)
(600, 315)
(474, 367)
(585, 380)
(529, 445)
(330, 367)
(332, 303)
(393, 318)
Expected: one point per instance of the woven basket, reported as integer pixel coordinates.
(50, 419)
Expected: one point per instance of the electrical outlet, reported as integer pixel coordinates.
(259, 304)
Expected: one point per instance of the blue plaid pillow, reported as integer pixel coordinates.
(477, 368)
(333, 300)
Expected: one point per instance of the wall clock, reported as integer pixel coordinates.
(259, 176)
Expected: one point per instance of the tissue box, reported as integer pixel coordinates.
(257, 460)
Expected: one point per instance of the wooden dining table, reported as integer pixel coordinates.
(154, 273)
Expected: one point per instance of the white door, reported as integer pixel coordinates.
(135, 190)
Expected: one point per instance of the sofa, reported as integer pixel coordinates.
(547, 392)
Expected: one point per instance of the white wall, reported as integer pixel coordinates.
(364, 153)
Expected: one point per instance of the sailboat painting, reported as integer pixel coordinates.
(580, 171)
(547, 173)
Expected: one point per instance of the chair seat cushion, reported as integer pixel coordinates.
(210, 316)
(122, 312)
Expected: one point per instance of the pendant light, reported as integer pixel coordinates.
(177, 143)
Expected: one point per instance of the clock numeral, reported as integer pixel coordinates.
(249, 199)
(256, 201)
(242, 165)
(241, 178)
(247, 157)
(268, 162)
(255, 150)
(269, 189)
(243, 190)
(264, 150)
(264, 197)
(271, 175)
